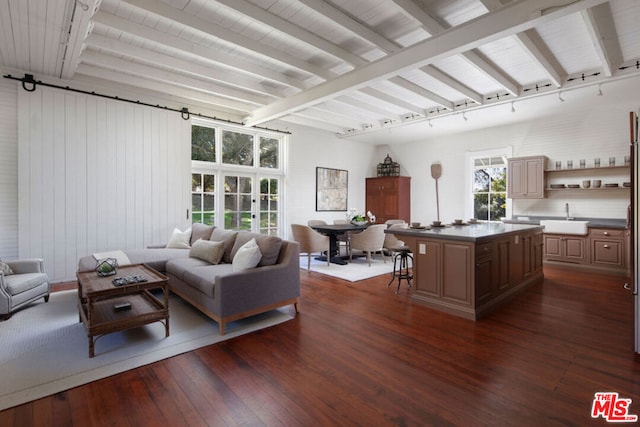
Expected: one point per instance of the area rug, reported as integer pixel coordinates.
(354, 271)
(44, 349)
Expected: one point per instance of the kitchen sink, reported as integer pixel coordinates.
(565, 226)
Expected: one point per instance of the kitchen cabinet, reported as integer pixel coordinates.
(389, 197)
(607, 248)
(603, 249)
(565, 248)
(525, 177)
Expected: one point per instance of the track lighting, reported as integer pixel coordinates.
(599, 90)
(464, 116)
(513, 107)
(430, 124)
(560, 97)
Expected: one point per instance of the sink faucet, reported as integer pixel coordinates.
(566, 211)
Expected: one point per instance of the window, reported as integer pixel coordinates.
(237, 148)
(487, 178)
(203, 198)
(236, 177)
(490, 188)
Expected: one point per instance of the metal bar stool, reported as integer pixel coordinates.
(402, 256)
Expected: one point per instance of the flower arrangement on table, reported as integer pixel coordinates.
(359, 219)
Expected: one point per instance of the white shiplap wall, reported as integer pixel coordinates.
(97, 174)
(8, 170)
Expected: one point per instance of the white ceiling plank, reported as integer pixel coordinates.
(178, 80)
(416, 12)
(78, 32)
(209, 73)
(318, 124)
(237, 39)
(600, 26)
(508, 20)
(163, 88)
(419, 90)
(351, 24)
(393, 100)
(7, 49)
(218, 57)
(453, 83)
(353, 102)
(326, 117)
(291, 30)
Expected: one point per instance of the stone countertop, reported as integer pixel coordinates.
(469, 232)
(617, 223)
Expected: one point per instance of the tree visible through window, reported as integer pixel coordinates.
(490, 188)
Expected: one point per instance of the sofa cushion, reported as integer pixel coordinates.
(226, 236)
(179, 239)
(19, 283)
(247, 256)
(269, 246)
(200, 231)
(207, 250)
(179, 266)
(204, 278)
(154, 258)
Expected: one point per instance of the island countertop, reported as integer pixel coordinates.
(470, 232)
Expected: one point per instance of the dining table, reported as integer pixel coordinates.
(333, 231)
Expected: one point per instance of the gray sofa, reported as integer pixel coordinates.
(217, 290)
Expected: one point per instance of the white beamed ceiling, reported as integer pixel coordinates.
(351, 67)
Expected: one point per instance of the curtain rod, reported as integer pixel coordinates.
(29, 84)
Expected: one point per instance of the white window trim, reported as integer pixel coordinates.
(470, 156)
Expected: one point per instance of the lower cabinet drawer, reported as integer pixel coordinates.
(606, 252)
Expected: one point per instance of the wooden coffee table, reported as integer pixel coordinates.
(98, 299)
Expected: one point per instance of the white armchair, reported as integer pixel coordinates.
(371, 240)
(28, 283)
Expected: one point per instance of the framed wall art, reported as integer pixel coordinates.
(331, 189)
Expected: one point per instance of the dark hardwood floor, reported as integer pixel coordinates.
(357, 354)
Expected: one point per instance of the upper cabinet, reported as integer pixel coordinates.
(525, 177)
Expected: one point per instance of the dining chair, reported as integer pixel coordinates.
(370, 241)
(343, 239)
(391, 242)
(310, 242)
(313, 222)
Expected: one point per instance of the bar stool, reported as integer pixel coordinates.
(402, 257)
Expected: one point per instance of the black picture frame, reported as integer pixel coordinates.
(331, 189)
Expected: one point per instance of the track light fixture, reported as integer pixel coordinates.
(464, 116)
(513, 107)
(560, 97)
(600, 90)
(430, 124)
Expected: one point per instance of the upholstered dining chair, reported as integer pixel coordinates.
(313, 222)
(310, 242)
(370, 241)
(391, 242)
(343, 239)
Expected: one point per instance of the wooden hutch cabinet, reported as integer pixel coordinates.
(389, 197)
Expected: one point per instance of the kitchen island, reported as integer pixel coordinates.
(469, 270)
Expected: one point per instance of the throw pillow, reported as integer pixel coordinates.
(269, 246)
(200, 231)
(180, 239)
(4, 267)
(226, 236)
(248, 256)
(207, 251)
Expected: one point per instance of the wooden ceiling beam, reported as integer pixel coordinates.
(210, 55)
(599, 22)
(291, 30)
(265, 52)
(511, 19)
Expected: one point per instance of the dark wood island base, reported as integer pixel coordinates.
(470, 270)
